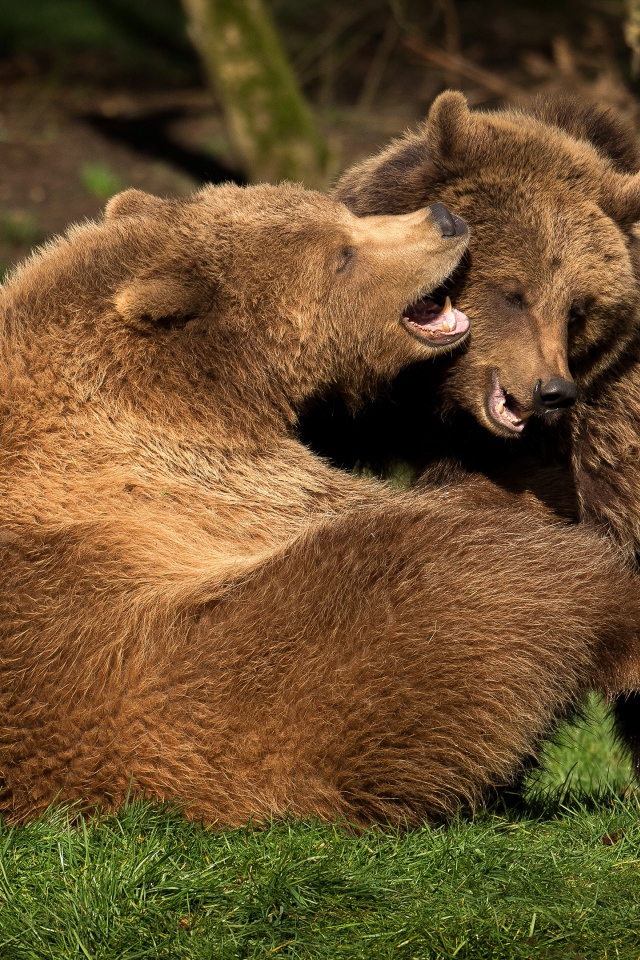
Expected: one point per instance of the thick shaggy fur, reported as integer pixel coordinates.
(551, 287)
(196, 607)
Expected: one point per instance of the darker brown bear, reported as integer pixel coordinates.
(550, 279)
(550, 282)
(546, 397)
(193, 605)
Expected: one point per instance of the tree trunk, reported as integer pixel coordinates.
(632, 34)
(268, 119)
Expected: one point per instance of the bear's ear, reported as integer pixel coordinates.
(161, 301)
(448, 126)
(620, 198)
(132, 203)
(606, 130)
(402, 177)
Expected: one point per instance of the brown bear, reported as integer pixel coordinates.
(196, 607)
(546, 396)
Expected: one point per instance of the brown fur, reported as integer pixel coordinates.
(193, 605)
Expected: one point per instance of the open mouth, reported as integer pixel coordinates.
(435, 324)
(504, 409)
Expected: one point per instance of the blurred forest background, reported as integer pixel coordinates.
(98, 95)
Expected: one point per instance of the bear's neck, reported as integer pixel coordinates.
(87, 366)
(68, 379)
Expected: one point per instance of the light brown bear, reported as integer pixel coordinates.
(193, 605)
(546, 395)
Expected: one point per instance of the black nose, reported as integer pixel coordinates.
(450, 225)
(554, 394)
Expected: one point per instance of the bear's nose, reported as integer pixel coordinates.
(450, 226)
(555, 394)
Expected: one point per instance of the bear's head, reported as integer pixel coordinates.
(284, 289)
(549, 283)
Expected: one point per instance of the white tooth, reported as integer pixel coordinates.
(501, 407)
(448, 317)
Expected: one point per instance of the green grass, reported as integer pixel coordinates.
(560, 879)
(583, 757)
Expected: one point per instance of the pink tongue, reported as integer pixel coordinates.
(444, 320)
(450, 321)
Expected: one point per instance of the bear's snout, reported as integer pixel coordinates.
(556, 393)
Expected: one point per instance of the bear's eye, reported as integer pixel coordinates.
(577, 312)
(346, 257)
(514, 298)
